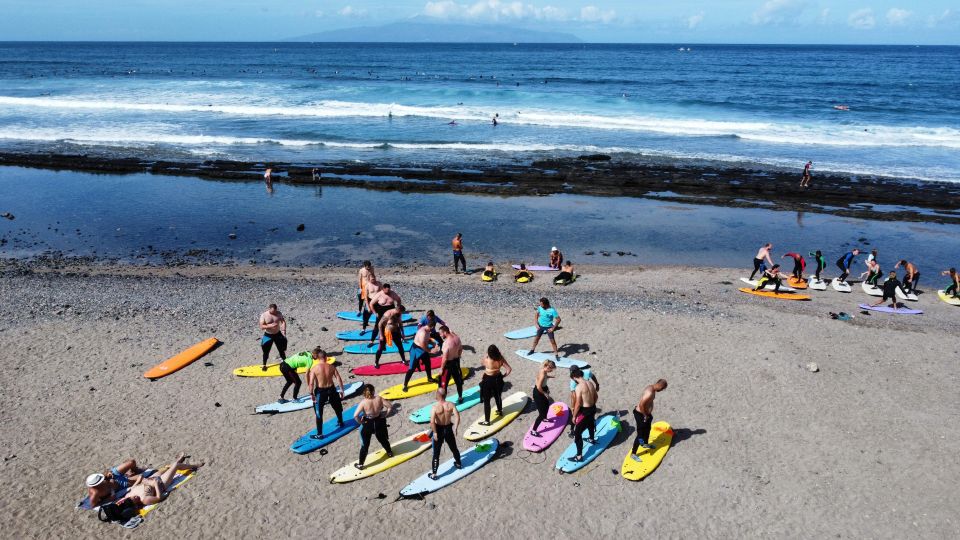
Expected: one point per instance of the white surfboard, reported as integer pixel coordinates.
(817, 284)
(840, 286)
(304, 402)
(871, 290)
(768, 286)
(561, 362)
(907, 295)
(522, 333)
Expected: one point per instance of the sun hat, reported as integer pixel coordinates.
(95, 480)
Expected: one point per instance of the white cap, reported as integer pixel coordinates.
(95, 480)
(554, 248)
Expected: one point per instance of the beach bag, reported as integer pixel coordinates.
(121, 511)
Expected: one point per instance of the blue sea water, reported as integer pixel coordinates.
(757, 106)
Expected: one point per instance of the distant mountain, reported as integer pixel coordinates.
(420, 32)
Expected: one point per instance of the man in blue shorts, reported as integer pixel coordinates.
(547, 321)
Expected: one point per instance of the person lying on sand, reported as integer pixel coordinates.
(584, 411)
(566, 275)
(523, 275)
(104, 487)
(643, 415)
(490, 272)
(155, 489)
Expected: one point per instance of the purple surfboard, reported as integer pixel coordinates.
(888, 309)
(537, 268)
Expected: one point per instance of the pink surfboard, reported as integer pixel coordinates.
(558, 416)
(394, 368)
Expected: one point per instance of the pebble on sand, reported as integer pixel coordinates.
(812, 367)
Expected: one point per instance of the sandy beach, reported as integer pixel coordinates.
(864, 448)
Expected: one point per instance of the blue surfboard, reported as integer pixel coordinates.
(352, 316)
(607, 428)
(471, 460)
(364, 335)
(331, 432)
(371, 348)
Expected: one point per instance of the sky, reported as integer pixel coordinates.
(620, 21)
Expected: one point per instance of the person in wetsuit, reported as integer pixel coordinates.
(366, 271)
(490, 272)
(274, 327)
(844, 263)
(912, 277)
(890, 287)
(821, 264)
(320, 385)
(523, 273)
(643, 416)
(452, 350)
(288, 368)
(379, 303)
(372, 414)
(430, 318)
(954, 287)
(799, 265)
(491, 385)
(541, 395)
(772, 275)
(391, 333)
(445, 423)
(763, 254)
(457, 244)
(584, 413)
(420, 353)
(370, 290)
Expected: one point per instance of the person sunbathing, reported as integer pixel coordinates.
(156, 488)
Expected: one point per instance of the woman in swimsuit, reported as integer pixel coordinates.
(491, 385)
(541, 394)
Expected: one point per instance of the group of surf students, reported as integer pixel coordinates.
(773, 275)
(522, 275)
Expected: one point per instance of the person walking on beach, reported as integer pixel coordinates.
(584, 411)
(547, 322)
(844, 263)
(890, 287)
(821, 264)
(799, 265)
(372, 414)
(391, 333)
(491, 385)
(912, 278)
(381, 302)
(363, 275)
(541, 394)
(452, 350)
(445, 423)
(457, 244)
(274, 328)
(420, 353)
(320, 379)
(805, 180)
(643, 415)
(762, 254)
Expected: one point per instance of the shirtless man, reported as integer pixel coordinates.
(420, 354)
(274, 328)
(643, 415)
(364, 274)
(104, 487)
(445, 423)
(457, 244)
(379, 303)
(320, 379)
(452, 349)
(491, 385)
(912, 277)
(373, 286)
(156, 488)
(584, 410)
(391, 332)
(432, 319)
(762, 254)
(954, 287)
(372, 414)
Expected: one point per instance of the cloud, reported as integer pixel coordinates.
(862, 19)
(501, 10)
(779, 11)
(898, 17)
(694, 21)
(350, 11)
(318, 13)
(948, 17)
(824, 16)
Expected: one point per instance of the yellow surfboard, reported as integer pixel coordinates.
(179, 479)
(948, 298)
(513, 405)
(273, 370)
(647, 461)
(377, 462)
(417, 387)
(779, 296)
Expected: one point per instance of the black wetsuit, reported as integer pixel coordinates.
(378, 427)
(821, 264)
(292, 379)
(268, 340)
(890, 287)
(756, 267)
(491, 386)
(588, 423)
(452, 369)
(397, 342)
(379, 310)
(323, 396)
(445, 434)
(643, 429)
(543, 406)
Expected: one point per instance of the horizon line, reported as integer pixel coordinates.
(288, 41)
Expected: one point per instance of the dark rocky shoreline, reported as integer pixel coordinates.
(596, 175)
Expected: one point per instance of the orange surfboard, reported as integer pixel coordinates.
(181, 360)
(797, 284)
(780, 296)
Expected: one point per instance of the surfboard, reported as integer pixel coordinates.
(797, 283)
(352, 316)
(537, 268)
(607, 428)
(561, 363)
(753, 285)
(471, 460)
(524, 279)
(273, 370)
(417, 387)
(513, 405)
(888, 309)
(331, 432)
(948, 298)
(558, 416)
(377, 462)
(911, 296)
(488, 278)
(471, 398)
(817, 284)
(638, 466)
(840, 286)
(364, 335)
(179, 478)
(522, 333)
(304, 402)
(871, 290)
(393, 368)
(181, 360)
(779, 296)
(371, 348)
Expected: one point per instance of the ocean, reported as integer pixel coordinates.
(746, 106)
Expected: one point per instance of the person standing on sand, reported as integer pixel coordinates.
(912, 278)
(547, 322)
(379, 303)
(274, 328)
(799, 265)
(430, 319)
(372, 414)
(584, 411)
(457, 244)
(445, 423)
(541, 395)
(762, 254)
(391, 333)
(372, 287)
(491, 385)
(420, 353)
(844, 263)
(452, 350)
(365, 272)
(643, 415)
(320, 379)
(805, 180)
